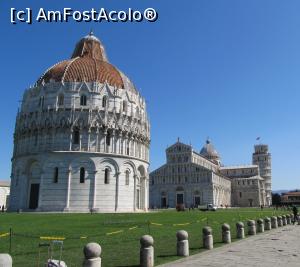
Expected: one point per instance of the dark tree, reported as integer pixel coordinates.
(276, 199)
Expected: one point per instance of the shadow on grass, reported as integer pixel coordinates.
(166, 256)
(195, 248)
(128, 265)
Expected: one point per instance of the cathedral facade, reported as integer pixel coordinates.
(198, 178)
(81, 140)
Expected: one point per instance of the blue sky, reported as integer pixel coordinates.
(229, 70)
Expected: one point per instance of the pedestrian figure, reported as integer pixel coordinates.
(2, 208)
(295, 212)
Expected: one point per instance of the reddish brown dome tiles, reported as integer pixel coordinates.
(88, 64)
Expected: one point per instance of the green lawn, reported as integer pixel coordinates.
(118, 234)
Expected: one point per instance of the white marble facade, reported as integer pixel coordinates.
(81, 139)
(192, 179)
(4, 194)
(188, 178)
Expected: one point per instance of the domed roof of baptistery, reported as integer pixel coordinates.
(88, 63)
(208, 151)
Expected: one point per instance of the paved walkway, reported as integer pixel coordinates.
(275, 248)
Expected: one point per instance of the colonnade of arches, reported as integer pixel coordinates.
(83, 184)
(82, 139)
(179, 196)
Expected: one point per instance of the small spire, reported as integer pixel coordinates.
(207, 140)
(178, 139)
(91, 32)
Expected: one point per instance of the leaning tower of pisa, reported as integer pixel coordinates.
(262, 158)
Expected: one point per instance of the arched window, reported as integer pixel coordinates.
(108, 139)
(127, 177)
(137, 110)
(41, 101)
(35, 134)
(124, 106)
(106, 175)
(104, 101)
(55, 176)
(82, 175)
(83, 100)
(76, 137)
(61, 99)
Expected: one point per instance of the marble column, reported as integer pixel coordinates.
(97, 140)
(71, 134)
(40, 191)
(89, 139)
(68, 189)
(146, 196)
(112, 142)
(100, 135)
(104, 137)
(134, 192)
(94, 191)
(120, 142)
(80, 139)
(117, 191)
(23, 190)
(52, 147)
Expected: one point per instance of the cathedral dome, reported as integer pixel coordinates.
(208, 151)
(88, 63)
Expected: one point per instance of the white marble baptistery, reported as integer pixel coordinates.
(81, 140)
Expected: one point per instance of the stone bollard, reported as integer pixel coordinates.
(274, 223)
(251, 227)
(267, 223)
(226, 236)
(292, 218)
(288, 219)
(92, 252)
(279, 221)
(146, 251)
(208, 241)
(5, 260)
(240, 233)
(284, 220)
(260, 226)
(182, 243)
